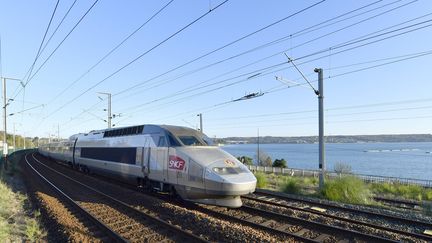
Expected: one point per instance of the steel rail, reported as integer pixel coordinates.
(338, 207)
(109, 232)
(375, 226)
(182, 232)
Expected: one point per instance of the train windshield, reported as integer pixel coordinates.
(190, 140)
(182, 136)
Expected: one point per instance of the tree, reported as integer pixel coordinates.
(263, 158)
(342, 168)
(280, 163)
(246, 160)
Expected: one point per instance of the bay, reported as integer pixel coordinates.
(406, 160)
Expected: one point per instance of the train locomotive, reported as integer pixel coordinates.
(173, 159)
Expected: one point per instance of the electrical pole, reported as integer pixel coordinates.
(109, 107)
(320, 94)
(14, 137)
(58, 132)
(322, 164)
(201, 122)
(258, 148)
(5, 147)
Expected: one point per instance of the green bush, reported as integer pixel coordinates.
(414, 192)
(292, 186)
(280, 163)
(310, 181)
(428, 194)
(383, 188)
(261, 180)
(347, 189)
(246, 160)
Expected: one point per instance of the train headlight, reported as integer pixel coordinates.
(228, 170)
(220, 170)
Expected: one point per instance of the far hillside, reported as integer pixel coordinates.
(332, 139)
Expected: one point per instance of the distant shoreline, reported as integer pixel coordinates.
(329, 139)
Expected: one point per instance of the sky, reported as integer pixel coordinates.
(164, 62)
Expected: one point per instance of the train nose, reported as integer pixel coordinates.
(229, 181)
(239, 185)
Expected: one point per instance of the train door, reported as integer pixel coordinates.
(145, 166)
(158, 161)
(141, 161)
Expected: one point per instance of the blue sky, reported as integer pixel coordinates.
(376, 59)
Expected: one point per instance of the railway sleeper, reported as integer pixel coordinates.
(322, 237)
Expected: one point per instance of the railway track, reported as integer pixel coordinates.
(211, 228)
(117, 220)
(391, 226)
(399, 203)
(300, 229)
(278, 224)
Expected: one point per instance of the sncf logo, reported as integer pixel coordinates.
(176, 163)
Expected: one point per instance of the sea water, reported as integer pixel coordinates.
(407, 160)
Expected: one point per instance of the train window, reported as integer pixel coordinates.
(162, 142)
(121, 155)
(173, 142)
(207, 140)
(190, 141)
(124, 131)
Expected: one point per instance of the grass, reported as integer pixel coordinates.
(15, 223)
(6, 211)
(291, 186)
(347, 189)
(33, 230)
(261, 180)
(413, 192)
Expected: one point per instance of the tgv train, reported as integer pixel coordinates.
(165, 158)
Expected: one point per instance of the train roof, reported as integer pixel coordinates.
(135, 130)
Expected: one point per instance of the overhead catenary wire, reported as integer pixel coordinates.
(42, 42)
(48, 41)
(333, 54)
(338, 75)
(293, 35)
(304, 77)
(351, 107)
(329, 122)
(136, 59)
(226, 45)
(58, 46)
(58, 26)
(283, 63)
(268, 121)
(180, 100)
(231, 43)
(326, 21)
(342, 108)
(110, 52)
(191, 88)
(296, 33)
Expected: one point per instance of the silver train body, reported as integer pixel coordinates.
(160, 157)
